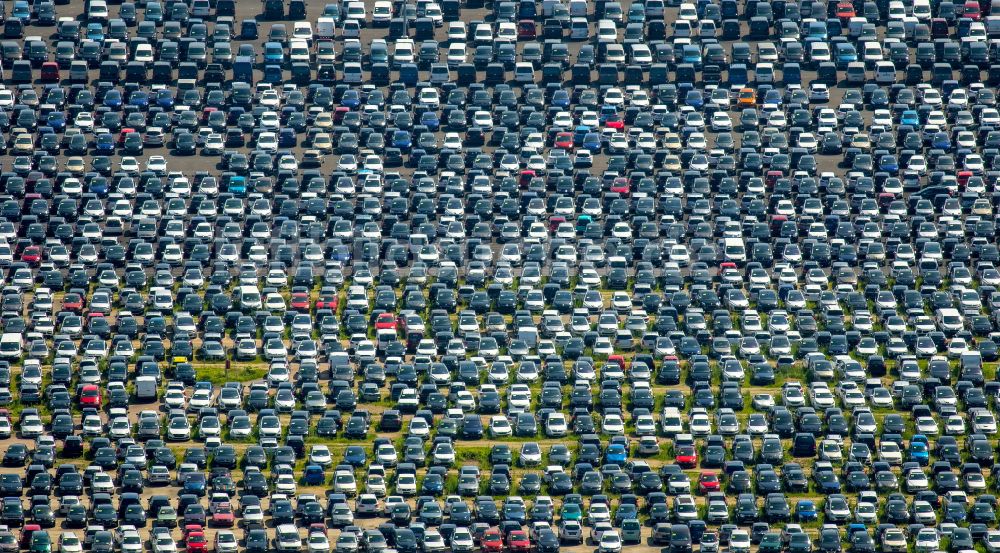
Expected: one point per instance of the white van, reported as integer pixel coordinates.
(145, 388)
(993, 26)
(607, 31)
(579, 28)
(949, 320)
(353, 72)
(249, 297)
(524, 72)
(326, 27)
(671, 422)
(885, 72)
(734, 250)
(764, 73)
(11, 344)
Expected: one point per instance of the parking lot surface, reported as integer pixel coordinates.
(499, 276)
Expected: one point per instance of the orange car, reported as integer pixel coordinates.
(845, 10)
(747, 97)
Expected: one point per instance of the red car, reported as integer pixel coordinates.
(526, 30)
(328, 301)
(614, 121)
(620, 186)
(90, 396)
(196, 542)
(222, 514)
(73, 302)
(32, 255)
(385, 321)
(617, 359)
(525, 179)
(300, 301)
(491, 542)
(972, 10)
(708, 482)
(564, 140)
(686, 456)
(518, 541)
(845, 10)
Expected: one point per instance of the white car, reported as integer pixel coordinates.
(317, 542)
(225, 542)
(406, 484)
(320, 455)
(610, 542)
(156, 164)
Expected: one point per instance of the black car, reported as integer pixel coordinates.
(256, 541)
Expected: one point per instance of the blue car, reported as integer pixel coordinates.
(351, 99)
(113, 99)
(237, 186)
(918, 449)
(98, 186)
(402, 140)
(314, 476)
(21, 11)
(95, 32)
(105, 143)
(355, 456)
(286, 138)
(695, 99)
(139, 99)
(57, 120)
(274, 53)
(430, 120)
(888, 163)
(164, 98)
(909, 117)
(805, 510)
(616, 454)
(592, 142)
(560, 98)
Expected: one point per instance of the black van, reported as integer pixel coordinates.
(804, 445)
(110, 71)
(658, 74)
(380, 74)
(680, 539)
(633, 75)
(301, 73)
(225, 8)
(274, 9)
(423, 28)
(135, 72)
(993, 75)
(249, 29)
(451, 10)
(187, 70)
(399, 27)
(409, 74)
(685, 73)
(297, 10)
(827, 73)
(163, 72)
(607, 74)
(495, 74)
(940, 73)
(552, 73)
(466, 74)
